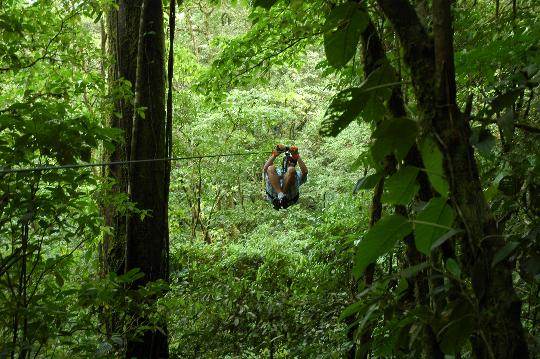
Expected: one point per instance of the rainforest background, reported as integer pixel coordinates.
(416, 234)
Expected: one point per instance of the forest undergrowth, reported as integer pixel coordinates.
(416, 235)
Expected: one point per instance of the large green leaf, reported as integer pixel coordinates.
(366, 101)
(401, 187)
(367, 182)
(393, 137)
(379, 240)
(345, 107)
(433, 163)
(345, 23)
(483, 140)
(431, 223)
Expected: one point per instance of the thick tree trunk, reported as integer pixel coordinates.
(122, 25)
(122, 31)
(147, 237)
(500, 333)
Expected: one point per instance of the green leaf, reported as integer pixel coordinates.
(353, 309)
(506, 123)
(432, 223)
(413, 270)
(346, 23)
(131, 276)
(367, 182)
(402, 286)
(504, 252)
(453, 267)
(401, 187)
(505, 100)
(445, 237)
(375, 107)
(367, 101)
(361, 160)
(483, 140)
(456, 334)
(379, 240)
(393, 137)
(344, 108)
(367, 317)
(460, 323)
(433, 163)
(59, 279)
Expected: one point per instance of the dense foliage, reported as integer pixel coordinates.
(378, 259)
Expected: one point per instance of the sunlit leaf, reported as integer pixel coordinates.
(379, 240)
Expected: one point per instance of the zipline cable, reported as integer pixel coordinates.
(102, 164)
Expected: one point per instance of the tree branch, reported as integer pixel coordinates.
(521, 126)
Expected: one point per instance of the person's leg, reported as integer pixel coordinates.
(273, 178)
(289, 180)
(273, 188)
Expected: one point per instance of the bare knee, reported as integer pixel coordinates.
(291, 171)
(271, 169)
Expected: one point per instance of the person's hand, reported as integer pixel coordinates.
(294, 153)
(280, 148)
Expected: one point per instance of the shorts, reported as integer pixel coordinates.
(292, 194)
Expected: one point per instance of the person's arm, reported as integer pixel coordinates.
(269, 162)
(296, 156)
(276, 152)
(303, 167)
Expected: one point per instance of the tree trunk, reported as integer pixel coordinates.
(123, 30)
(122, 25)
(374, 56)
(500, 333)
(147, 237)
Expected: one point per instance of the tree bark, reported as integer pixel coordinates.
(123, 30)
(121, 41)
(147, 236)
(500, 333)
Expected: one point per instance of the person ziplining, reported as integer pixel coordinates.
(282, 184)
